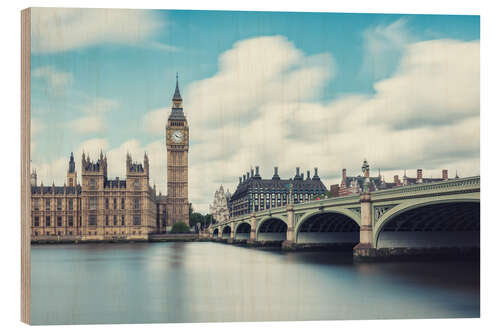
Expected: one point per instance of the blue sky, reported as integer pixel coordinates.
(104, 80)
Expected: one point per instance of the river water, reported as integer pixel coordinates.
(212, 282)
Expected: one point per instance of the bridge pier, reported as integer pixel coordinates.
(290, 241)
(253, 226)
(365, 247)
(231, 234)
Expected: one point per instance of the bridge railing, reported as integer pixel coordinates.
(444, 186)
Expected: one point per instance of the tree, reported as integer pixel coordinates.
(180, 228)
(209, 219)
(196, 218)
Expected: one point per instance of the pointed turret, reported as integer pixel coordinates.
(33, 178)
(71, 167)
(71, 175)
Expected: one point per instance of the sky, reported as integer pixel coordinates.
(264, 89)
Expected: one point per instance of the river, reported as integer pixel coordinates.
(213, 282)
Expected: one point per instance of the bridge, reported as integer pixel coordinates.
(441, 215)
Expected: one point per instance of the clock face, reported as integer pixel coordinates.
(177, 136)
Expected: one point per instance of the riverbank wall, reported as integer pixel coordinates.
(149, 238)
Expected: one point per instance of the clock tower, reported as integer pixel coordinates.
(177, 139)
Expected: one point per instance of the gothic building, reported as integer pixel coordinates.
(254, 193)
(219, 208)
(99, 208)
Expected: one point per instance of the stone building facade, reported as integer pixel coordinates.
(219, 208)
(99, 208)
(254, 193)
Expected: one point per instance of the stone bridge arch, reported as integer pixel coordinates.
(340, 225)
(242, 230)
(430, 224)
(276, 233)
(226, 231)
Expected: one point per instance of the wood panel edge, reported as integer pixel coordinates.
(25, 165)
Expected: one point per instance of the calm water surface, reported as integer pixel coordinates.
(206, 282)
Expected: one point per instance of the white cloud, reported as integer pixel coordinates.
(88, 124)
(63, 29)
(99, 105)
(154, 121)
(383, 47)
(93, 121)
(56, 81)
(253, 73)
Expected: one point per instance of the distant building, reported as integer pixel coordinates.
(254, 193)
(219, 208)
(355, 184)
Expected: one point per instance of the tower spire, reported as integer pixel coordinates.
(177, 94)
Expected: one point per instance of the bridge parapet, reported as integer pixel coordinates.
(452, 185)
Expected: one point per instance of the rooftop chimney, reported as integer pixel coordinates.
(248, 175)
(419, 175)
(244, 177)
(257, 176)
(344, 175)
(297, 174)
(251, 172)
(302, 176)
(316, 177)
(240, 179)
(308, 174)
(276, 176)
(445, 174)
(396, 179)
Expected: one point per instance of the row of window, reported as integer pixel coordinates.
(36, 221)
(92, 203)
(259, 204)
(92, 220)
(70, 233)
(93, 183)
(306, 196)
(36, 204)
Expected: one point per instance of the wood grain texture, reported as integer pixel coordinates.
(25, 164)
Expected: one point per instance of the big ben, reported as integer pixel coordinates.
(177, 139)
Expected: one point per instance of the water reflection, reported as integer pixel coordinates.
(202, 282)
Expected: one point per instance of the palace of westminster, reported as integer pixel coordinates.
(105, 209)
